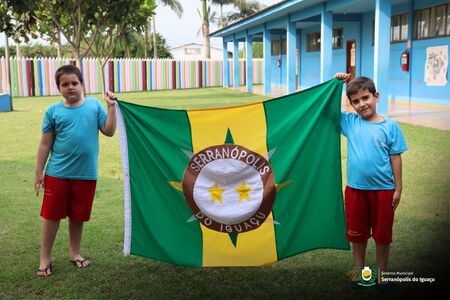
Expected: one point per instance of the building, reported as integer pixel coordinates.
(195, 51)
(401, 44)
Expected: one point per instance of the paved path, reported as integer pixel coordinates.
(421, 114)
(434, 116)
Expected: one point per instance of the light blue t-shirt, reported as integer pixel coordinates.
(74, 154)
(369, 146)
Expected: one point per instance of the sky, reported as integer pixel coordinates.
(183, 31)
(179, 31)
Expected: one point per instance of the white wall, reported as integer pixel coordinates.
(195, 52)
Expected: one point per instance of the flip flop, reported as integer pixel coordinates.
(45, 272)
(80, 263)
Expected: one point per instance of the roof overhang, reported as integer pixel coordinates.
(296, 11)
(268, 14)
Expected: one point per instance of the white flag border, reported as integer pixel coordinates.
(126, 181)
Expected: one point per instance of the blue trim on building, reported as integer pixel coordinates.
(249, 64)
(381, 47)
(268, 61)
(326, 47)
(236, 64)
(226, 68)
(291, 55)
(357, 20)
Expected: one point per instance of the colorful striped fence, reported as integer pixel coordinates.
(35, 76)
(257, 68)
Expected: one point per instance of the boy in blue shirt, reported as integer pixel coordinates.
(70, 135)
(374, 173)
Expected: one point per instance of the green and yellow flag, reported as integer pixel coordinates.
(234, 186)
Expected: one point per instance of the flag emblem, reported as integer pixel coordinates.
(229, 188)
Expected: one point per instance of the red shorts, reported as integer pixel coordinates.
(71, 198)
(369, 213)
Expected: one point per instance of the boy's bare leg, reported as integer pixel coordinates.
(382, 256)
(49, 230)
(75, 234)
(359, 254)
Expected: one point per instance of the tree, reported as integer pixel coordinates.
(52, 35)
(7, 27)
(148, 4)
(130, 29)
(162, 48)
(37, 50)
(207, 17)
(11, 51)
(126, 23)
(82, 22)
(75, 20)
(135, 46)
(245, 9)
(257, 51)
(176, 7)
(17, 13)
(221, 3)
(15, 21)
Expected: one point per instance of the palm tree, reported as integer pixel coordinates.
(245, 9)
(207, 16)
(221, 3)
(176, 7)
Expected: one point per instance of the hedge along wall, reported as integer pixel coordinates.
(35, 76)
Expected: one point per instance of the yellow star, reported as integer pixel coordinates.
(243, 191)
(216, 193)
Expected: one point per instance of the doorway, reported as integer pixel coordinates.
(351, 58)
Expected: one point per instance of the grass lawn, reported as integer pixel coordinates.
(421, 229)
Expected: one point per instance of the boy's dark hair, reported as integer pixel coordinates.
(358, 84)
(68, 69)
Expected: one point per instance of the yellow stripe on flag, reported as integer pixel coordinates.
(248, 128)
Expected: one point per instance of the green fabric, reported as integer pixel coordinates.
(159, 228)
(304, 130)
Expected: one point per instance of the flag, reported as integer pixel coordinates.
(234, 186)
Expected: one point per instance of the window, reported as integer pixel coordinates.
(448, 18)
(279, 47)
(192, 51)
(338, 38)
(399, 28)
(432, 22)
(422, 21)
(276, 47)
(404, 30)
(313, 40)
(439, 21)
